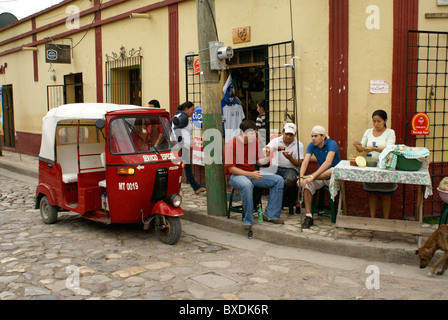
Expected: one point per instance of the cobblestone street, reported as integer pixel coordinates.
(79, 259)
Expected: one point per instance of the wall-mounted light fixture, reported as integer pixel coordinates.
(29, 48)
(291, 64)
(140, 15)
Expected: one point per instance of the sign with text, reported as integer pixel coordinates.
(420, 124)
(196, 68)
(58, 53)
(197, 117)
(198, 151)
(379, 86)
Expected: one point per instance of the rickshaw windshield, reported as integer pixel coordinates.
(140, 134)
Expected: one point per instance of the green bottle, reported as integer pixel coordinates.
(260, 214)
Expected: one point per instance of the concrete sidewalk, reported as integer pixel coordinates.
(375, 246)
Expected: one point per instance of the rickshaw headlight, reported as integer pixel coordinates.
(175, 200)
(126, 171)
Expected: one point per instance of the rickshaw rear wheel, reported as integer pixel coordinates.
(48, 212)
(170, 233)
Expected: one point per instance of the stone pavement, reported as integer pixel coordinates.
(380, 246)
(78, 259)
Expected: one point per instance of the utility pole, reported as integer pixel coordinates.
(211, 111)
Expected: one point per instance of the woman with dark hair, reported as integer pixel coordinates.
(154, 104)
(183, 129)
(373, 143)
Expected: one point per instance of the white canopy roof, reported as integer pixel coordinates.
(76, 111)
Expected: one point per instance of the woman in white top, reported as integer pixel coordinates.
(373, 142)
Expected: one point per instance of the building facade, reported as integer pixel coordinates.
(326, 62)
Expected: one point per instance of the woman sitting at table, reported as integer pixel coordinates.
(373, 142)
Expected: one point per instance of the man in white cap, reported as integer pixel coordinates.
(327, 154)
(286, 159)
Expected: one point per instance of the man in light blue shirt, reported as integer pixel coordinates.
(327, 154)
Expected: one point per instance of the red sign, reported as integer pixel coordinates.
(196, 66)
(420, 124)
(198, 151)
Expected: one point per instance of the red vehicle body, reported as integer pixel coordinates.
(111, 164)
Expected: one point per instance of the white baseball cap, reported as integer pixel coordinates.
(290, 128)
(318, 130)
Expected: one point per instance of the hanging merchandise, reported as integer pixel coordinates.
(232, 111)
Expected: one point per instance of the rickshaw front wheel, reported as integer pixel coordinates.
(48, 212)
(171, 231)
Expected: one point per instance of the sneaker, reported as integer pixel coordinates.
(307, 223)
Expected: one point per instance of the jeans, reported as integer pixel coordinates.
(286, 173)
(190, 177)
(246, 187)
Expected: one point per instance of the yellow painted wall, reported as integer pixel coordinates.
(434, 24)
(370, 58)
(152, 36)
(370, 54)
(310, 21)
(188, 40)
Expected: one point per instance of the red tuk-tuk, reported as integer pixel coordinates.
(111, 164)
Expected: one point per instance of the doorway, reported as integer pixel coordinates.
(8, 116)
(248, 69)
(73, 88)
(265, 72)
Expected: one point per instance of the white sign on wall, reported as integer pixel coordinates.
(379, 86)
(442, 2)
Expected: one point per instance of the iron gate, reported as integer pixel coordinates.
(427, 91)
(280, 84)
(193, 94)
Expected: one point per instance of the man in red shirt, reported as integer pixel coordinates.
(241, 153)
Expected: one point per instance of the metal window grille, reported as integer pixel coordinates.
(427, 91)
(123, 80)
(280, 81)
(55, 96)
(193, 94)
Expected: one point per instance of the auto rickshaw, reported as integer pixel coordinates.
(111, 164)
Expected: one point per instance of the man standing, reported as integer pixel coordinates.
(286, 159)
(241, 153)
(327, 154)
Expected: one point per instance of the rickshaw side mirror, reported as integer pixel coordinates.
(100, 124)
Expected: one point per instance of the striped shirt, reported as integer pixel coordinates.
(261, 121)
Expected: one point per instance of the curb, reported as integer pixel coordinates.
(349, 248)
(27, 172)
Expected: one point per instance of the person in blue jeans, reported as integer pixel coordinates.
(241, 154)
(183, 130)
(327, 154)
